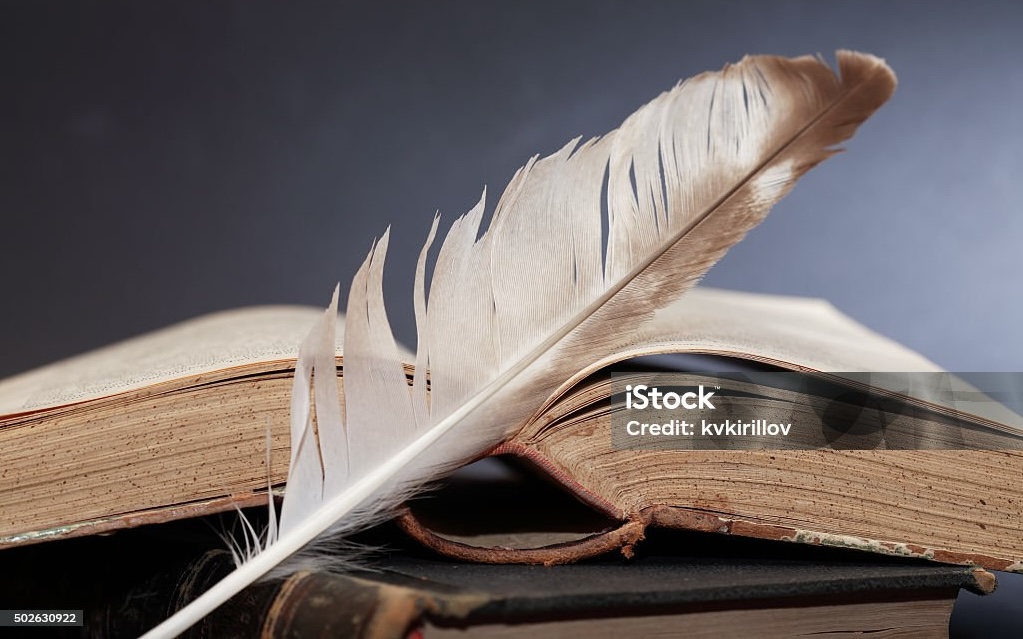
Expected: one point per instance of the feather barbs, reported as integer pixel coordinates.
(514, 312)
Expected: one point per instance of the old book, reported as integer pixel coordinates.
(682, 586)
(174, 424)
(166, 425)
(931, 473)
(662, 596)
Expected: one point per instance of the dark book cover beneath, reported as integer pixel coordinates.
(128, 582)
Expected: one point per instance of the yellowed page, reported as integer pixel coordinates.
(805, 334)
(202, 345)
(791, 331)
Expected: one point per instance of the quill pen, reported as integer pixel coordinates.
(514, 312)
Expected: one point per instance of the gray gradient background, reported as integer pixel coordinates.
(159, 162)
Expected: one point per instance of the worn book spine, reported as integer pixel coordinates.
(127, 582)
(304, 605)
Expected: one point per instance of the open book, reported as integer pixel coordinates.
(175, 424)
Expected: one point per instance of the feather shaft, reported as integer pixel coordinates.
(513, 314)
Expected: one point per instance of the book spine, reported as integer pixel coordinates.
(302, 605)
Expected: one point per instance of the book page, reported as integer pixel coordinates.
(807, 334)
(802, 332)
(202, 345)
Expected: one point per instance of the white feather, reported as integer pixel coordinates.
(514, 313)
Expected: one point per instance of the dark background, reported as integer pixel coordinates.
(164, 160)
